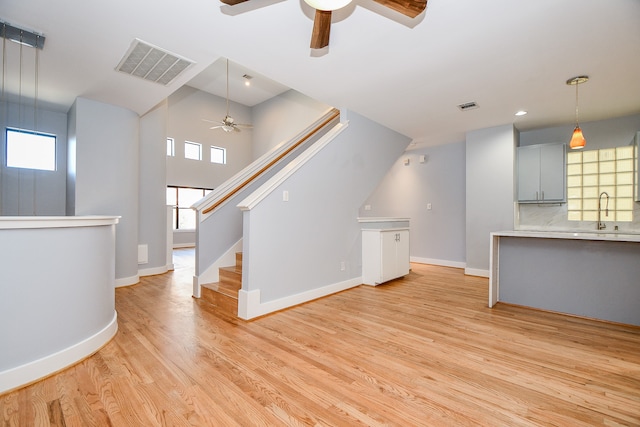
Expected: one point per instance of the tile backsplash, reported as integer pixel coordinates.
(554, 218)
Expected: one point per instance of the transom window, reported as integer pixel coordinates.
(192, 150)
(30, 150)
(600, 180)
(218, 155)
(171, 147)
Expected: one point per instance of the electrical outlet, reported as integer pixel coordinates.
(285, 196)
(428, 206)
(367, 207)
(342, 266)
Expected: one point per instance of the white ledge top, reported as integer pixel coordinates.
(20, 222)
(381, 219)
(581, 235)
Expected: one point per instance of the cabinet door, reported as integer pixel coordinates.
(552, 172)
(528, 173)
(388, 264)
(402, 253)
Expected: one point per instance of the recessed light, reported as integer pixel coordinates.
(521, 113)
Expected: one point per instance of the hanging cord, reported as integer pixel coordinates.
(577, 84)
(4, 108)
(20, 122)
(35, 116)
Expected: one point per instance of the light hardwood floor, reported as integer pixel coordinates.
(421, 351)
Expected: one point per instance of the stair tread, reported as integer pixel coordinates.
(232, 269)
(223, 288)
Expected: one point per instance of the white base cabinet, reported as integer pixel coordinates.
(385, 254)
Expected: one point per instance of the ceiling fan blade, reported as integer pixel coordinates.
(211, 121)
(321, 29)
(233, 2)
(410, 8)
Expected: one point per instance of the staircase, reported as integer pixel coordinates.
(223, 295)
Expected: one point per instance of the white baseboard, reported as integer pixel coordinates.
(30, 372)
(249, 305)
(476, 272)
(127, 281)
(442, 262)
(153, 271)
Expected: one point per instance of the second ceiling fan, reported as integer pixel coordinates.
(228, 124)
(322, 19)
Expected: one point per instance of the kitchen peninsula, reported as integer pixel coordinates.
(595, 275)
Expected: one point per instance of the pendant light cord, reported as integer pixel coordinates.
(577, 84)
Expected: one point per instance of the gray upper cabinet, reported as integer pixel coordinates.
(541, 173)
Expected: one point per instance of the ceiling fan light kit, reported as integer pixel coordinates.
(322, 19)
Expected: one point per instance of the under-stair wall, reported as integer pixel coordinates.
(219, 232)
(301, 232)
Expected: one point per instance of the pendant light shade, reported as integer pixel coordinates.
(577, 139)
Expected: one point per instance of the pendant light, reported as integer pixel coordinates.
(577, 139)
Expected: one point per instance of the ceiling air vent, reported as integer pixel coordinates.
(152, 63)
(468, 106)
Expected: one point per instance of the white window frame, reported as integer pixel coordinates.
(171, 147)
(21, 145)
(194, 144)
(221, 150)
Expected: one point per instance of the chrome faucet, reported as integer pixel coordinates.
(601, 225)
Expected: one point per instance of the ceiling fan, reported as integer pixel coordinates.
(228, 124)
(322, 20)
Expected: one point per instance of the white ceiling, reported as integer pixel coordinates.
(409, 75)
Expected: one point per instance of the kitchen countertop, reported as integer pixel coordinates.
(573, 235)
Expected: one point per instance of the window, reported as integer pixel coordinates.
(31, 150)
(171, 148)
(184, 218)
(192, 150)
(218, 155)
(590, 173)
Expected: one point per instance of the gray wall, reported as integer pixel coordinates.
(106, 179)
(317, 228)
(437, 235)
(489, 191)
(599, 134)
(187, 107)
(152, 228)
(281, 118)
(31, 192)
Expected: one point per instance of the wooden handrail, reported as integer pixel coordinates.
(232, 192)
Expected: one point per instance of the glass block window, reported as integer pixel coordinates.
(592, 172)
